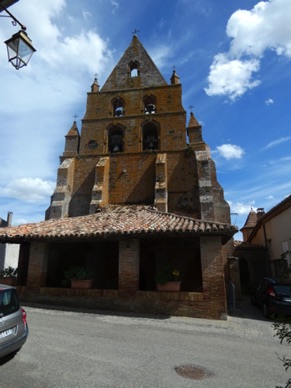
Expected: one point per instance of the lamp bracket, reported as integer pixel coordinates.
(14, 21)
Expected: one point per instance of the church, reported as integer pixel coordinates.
(136, 192)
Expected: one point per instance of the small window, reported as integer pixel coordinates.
(119, 111)
(115, 139)
(134, 73)
(118, 107)
(150, 137)
(8, 302)
(133, 69)
(149, 104)
(286, 252)
(92, 145)
(150, 108)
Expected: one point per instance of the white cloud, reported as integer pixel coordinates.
(90, 49)
(265, 27)
(115, 6)
(270, 197)
(278, 141)
(28, 189)
(160, 55)
(63, 49)
(231, 77)
(269, 101)
(230, 151)
(241, 208)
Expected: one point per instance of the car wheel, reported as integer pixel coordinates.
(266, 310)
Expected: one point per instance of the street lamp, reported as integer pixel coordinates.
(19, 46)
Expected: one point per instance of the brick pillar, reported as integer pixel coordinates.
(37, 267)
(213, 277)
(128, 267)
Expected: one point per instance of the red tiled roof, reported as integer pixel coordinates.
(114, 221)
(247, 245)
(251, 220)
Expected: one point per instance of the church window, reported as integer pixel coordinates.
(115, 139)
(133, 69)
(150, 103)
(118, 106)
(92, 144)
(150, 136)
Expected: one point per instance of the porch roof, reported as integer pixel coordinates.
(115, 222)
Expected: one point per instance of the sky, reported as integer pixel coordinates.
(234, 62)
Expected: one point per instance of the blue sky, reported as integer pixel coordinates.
(234, 62)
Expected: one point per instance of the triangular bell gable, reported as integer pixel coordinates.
(135, 57)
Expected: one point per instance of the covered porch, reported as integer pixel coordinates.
(123, 265)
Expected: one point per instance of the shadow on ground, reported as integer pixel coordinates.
(243, 308)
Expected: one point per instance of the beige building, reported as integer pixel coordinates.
(273, 231)
(8, 252)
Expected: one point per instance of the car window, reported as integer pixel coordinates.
(8, 302)
(282, 289)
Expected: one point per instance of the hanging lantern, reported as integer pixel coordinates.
(19, 49)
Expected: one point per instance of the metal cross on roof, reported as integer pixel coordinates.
(135, 32)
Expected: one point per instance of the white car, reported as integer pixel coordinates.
(13, 324)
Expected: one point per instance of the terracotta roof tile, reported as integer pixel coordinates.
(247, 245)
(114, 221)
(251, 220)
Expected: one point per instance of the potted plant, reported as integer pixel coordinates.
(78, 277)
(8, 276)
(168, 279)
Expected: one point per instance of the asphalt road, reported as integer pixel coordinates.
(85, 349)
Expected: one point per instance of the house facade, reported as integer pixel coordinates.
(273, 231)
(132, 197)
(8, 252)
(265, 249)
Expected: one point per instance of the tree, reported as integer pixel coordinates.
(283, 332)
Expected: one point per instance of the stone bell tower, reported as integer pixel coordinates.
(133, 149)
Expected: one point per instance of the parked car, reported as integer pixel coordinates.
(13, 324)
(273, 297)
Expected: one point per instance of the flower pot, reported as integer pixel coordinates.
(81, 283)
(9, 281)
(170, 286)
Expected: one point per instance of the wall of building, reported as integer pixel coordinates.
(278, 234)
(206, 300)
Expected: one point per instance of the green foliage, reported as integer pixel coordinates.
(9, 272)
(167, 274)
(283, 332)
(77, 273)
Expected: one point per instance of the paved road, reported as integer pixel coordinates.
(88, 350)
